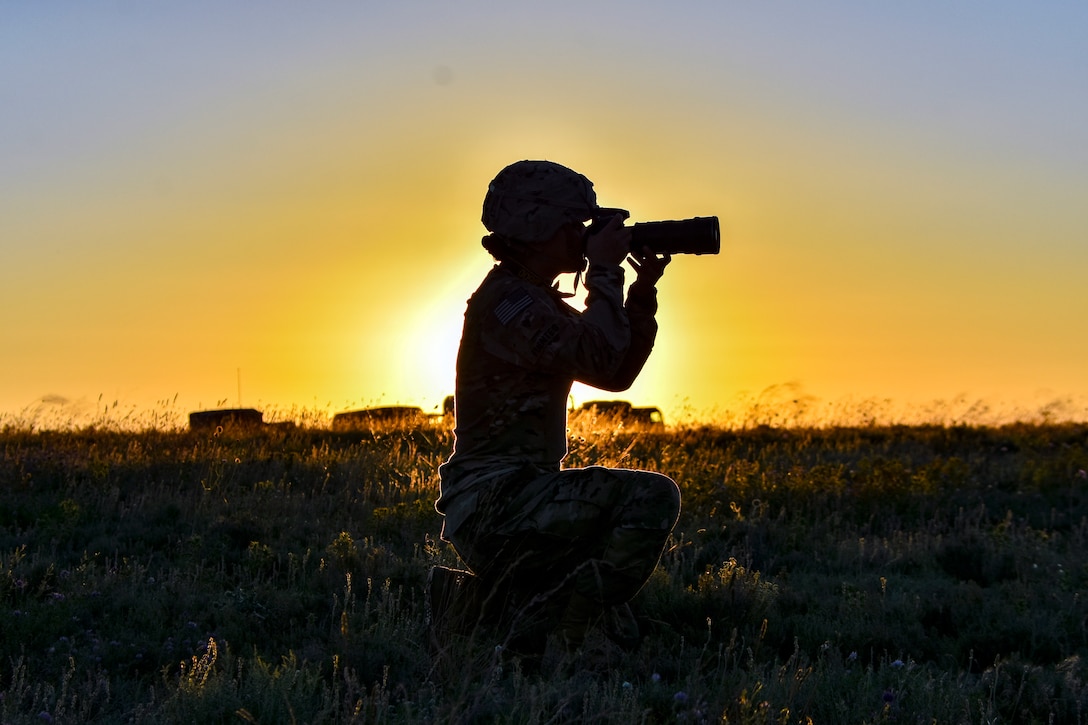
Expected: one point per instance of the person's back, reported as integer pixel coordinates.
(510, 406)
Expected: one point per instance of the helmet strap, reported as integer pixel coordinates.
(566, 295)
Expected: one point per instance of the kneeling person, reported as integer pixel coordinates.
(553, 549)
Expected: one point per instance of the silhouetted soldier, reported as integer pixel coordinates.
(553, 550)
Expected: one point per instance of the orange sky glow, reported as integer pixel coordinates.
(194, 196)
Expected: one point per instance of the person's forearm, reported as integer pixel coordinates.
(604, 305)
(640, 308)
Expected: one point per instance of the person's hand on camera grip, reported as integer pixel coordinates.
(648, 266)
(610, 245)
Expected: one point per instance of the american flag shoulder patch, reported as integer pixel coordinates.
(514, 303)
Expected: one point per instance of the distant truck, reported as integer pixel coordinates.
(623, 410)
(370, 417)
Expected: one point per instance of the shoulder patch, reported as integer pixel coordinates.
(545, 338)
(512, 304)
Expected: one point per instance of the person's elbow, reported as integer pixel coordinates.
(613, 386)
(616, 381)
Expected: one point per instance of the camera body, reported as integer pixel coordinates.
(699, 235)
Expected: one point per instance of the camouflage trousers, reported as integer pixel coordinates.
(595, 532)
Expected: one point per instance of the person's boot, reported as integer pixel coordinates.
(453, 607)
(620, 625)
(530, 619)
(575, 622)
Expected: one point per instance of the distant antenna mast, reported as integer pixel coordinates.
(239, 387)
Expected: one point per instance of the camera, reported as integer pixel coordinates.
(699, 235)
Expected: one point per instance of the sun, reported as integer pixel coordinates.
(432, 343)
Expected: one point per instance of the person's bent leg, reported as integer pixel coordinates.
(645, 512)
(621, 519)
(592, 534)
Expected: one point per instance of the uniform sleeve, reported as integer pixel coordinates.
(532, 329)
(641, 310)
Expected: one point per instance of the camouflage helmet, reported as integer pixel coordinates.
(530, 200)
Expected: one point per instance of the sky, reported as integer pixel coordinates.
(277, 205)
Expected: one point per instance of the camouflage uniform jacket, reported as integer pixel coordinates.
(521, 350)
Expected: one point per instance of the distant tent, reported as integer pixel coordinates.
(368, 417)
(227, 418)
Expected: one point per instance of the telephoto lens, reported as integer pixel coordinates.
(700, 235)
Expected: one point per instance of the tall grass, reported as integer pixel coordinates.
(926, 573)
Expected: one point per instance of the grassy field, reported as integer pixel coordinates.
(829, 575)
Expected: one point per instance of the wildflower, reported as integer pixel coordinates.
(897, 664)
(888, 697)
(680, 697)
(852, 657)
(1082, 473)
(626, 685)
(45, 716)
(655, 678)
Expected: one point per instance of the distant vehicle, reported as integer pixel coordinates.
(235, 419)
(369, 417)
(623, 410)
(226, 418)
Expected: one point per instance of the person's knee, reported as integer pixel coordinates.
(654, 502)
(665, 495)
